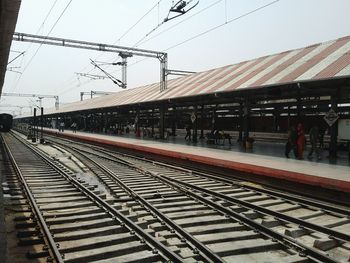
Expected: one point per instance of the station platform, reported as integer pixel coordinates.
(267, 160)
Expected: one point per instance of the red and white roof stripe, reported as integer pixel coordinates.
(321, 61)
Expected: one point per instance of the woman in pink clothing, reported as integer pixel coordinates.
(300, 141)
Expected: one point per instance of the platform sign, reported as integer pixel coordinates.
(193, 117)
(344, 129)
(331, 117)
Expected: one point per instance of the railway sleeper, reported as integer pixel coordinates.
(32, 254)
(30, 241)
(128, 251)
(28, 233)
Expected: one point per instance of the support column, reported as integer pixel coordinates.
(152, 119)
(246, 110)
(174, 124)
(137, 123)
(202, 123)
(213, 120)
(333, 130)
(34, 127)
(240, 121)
(299, 107)
(42, 125)
(276, 116)
(288, 124)
(161, 121)
(194, 125)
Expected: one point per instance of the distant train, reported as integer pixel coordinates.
(5, 122)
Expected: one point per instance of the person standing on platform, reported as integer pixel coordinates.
(292, 142)
(188, 133)
(321, 137)
(74, 127)
(300, 141)
(314, 137)
(62, 126)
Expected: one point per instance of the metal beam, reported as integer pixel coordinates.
(40, 96)
(162, 56)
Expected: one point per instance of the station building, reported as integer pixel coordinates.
(309, 85)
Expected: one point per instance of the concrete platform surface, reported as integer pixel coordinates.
(330, 176)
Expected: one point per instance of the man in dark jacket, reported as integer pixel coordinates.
(314, 137)
(292, 142)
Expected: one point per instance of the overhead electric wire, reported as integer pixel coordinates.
(122, 36)
(213, 28)
(138, 21)
(223, 24)
(52, 28)
(182, 21)
(41, 25)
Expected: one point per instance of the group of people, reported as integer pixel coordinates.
(62, 125)
(217, 136)
(297, 142)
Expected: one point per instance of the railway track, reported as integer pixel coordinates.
(71, 221)
(219, 217)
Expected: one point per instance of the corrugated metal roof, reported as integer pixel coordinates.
(321, 61)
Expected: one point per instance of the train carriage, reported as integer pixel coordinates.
(5, 122)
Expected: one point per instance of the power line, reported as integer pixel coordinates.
(47, 16)
(178, 8)
(42, 24)
(209, 30)
(125, 33)
(138, 21)
(223, 24)
(182, 21)
(52, 28)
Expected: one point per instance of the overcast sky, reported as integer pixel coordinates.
(281, 26)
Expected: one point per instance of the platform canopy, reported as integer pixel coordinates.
(324, 61)
(8, 18)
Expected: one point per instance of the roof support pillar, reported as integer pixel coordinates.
(161, 121)
(240, 126)
(202, 123)
(137, 123)
(174, 122)
(246, 113)
(276, 119)
(194, 124)
(152, 121)
(333, 129)
(213, 120)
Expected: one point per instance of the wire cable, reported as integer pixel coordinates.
(122, 36)
(138, 21)
(209, 30)
(30, 45)
(52, 28)
(223, 24)
(182, 21)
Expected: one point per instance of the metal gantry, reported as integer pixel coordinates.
(121, 50)
(39, 96)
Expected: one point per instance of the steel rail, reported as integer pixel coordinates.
(195, 242)
(282, 239)
(303, 248)
(53, 251)
(220, 178)
(167, 253)
(305, 224)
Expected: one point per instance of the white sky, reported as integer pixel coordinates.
(284, 25)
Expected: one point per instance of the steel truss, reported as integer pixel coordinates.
(121, 50)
